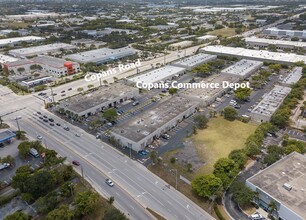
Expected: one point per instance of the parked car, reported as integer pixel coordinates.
(39, 113)
(135, 103)
(4, 166)
(142, 152)
(69, 89)
(52, 124)
(109, 182)
(75, 162)
(51, 119)
(45, 120)
(63, 91)
(77, 135)
(58, 124)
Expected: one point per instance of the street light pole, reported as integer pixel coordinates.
(17, 123)
(175, 177)
(82, 171)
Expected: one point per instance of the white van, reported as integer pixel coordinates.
(34, 152)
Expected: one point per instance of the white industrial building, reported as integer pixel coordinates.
(293, 77)
(105, 97)
(138, 132)
(18, 40)
(260, 55)
(284, 33)
(206, 96)
(207, 38)
(47, 64)
(5, 59)
(270, 102)
(43, 49)
(195, 60)
(244, 68)
(284, 183)
(181, 44)
(157, 75)
(279, 44)
(102, 55)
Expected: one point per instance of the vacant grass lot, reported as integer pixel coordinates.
(224, 32)
(219, 139)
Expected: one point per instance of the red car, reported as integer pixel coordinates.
(75, 162)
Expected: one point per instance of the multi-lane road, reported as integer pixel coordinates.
(136, 188)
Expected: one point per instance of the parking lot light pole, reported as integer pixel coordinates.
(16, 119)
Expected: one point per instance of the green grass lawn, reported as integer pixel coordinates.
(224, 32)
(219, 139)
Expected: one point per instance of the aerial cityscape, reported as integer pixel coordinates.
(153, 110)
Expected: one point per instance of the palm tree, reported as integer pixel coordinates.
(272, 208)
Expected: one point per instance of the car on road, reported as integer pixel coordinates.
(39, 137)
(58, 124)
(135, 103)
(75, 162)
(63, 95)
(109, 182)
(66, 128)
(77, 135)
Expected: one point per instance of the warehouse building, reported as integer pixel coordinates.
(284, 33)
(18, 40)
(138, 132)
(47, 64)
(157, 75)
(293, 77)
(279, 44)
(207, 96)
(284, 183)
(44, 49)
(193, 61)
(6, 59)
(102, 55)
(269, 103)
(181, 44)
(244, 68)
(207, 38)
(105, 97)
(260, 55)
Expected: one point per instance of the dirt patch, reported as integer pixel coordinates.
(189, 154)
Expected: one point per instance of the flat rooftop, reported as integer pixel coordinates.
(288, 170)
(50, 61)
(20, 39)
(294, 76)
(6, 59)
(80, 102)
(101, 54)
(207, 93)
(158, 75)
(275, 42)
(42, 49)
(261, 55)
(195, 60)
(271, 100)
(243, 67)
(137, 128)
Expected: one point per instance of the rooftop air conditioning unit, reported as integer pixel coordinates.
(287, 186)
